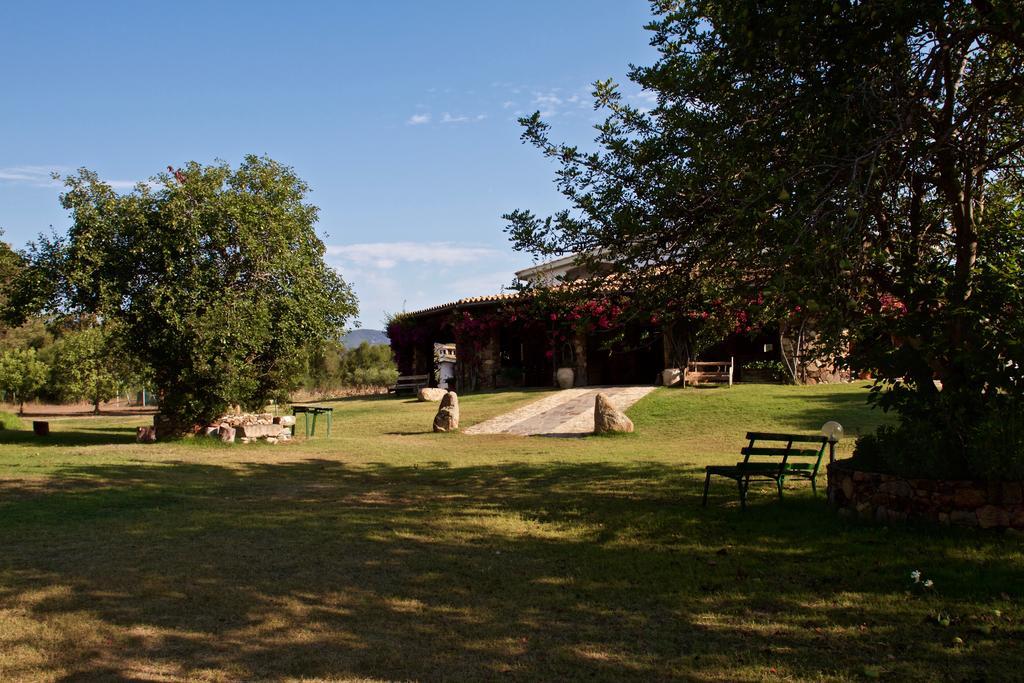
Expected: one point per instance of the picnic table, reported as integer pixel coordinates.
(771, 462)
(315, 411)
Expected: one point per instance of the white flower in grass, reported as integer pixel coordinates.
(928, 583)
(915, 575)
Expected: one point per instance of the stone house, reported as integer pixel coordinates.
(495, 347)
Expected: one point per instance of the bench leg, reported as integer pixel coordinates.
(778, 483)
(814, 487)
(707, 482)
(744, 485)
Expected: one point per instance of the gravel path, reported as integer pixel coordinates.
(569, 412)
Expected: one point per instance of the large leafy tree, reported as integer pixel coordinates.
(214, 275)
(855, 164)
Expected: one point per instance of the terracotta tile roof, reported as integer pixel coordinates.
(470, 301)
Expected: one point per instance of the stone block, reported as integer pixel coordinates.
(145, 435)
(969, 498)
(899, 488)
(1012, 493)
(259, 431)
(993, 516)
(847, 488)
(285, 420)
(963, 517)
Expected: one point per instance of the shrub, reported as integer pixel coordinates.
(994, 449)
(10, 421)
(774, 369)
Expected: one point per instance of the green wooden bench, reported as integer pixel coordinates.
(771, 462)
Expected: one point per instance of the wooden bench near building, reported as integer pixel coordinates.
(412, 383)
(698, 372)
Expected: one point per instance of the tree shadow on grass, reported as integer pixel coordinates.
(80, 436)
(553, 571)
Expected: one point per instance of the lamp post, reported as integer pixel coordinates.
(833, 431)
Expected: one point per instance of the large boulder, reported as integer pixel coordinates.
(608, 418)
(432, 394)
(447, 418)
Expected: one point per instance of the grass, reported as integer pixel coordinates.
(391, 553)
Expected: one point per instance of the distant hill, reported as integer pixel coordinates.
(357, 337)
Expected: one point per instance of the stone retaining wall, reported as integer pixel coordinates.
(891, 498)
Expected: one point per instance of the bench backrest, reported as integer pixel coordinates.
(785, 446)
(412, 379)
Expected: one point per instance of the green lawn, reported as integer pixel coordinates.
(388, 552)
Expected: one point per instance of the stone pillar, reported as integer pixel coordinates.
(490, 362)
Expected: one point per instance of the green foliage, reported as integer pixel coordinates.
(772, 368)
(333, 367)
(30, 334)
(22, 374)
(368, 365)
(216, 277)
(927, 446)
(864, 176)
(90, 364)
(12, 422)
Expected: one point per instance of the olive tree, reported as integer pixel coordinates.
(214, 276)
(852, 165)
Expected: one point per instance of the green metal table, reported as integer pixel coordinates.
(315, 411)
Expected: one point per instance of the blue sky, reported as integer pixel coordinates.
(400, 115)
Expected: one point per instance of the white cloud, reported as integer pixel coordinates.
(418, 119)
(42, 176)
(36, 176)
(461, 118)
(386, 255)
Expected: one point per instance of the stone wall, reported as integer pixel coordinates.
(891, 498)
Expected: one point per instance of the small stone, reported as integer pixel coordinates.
(227, 434)
(145, 435)
(271, 439)
(431, 394)
(608, 418)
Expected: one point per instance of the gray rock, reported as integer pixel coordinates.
(260, 431)
(447, 418)
(432, 394)
(227, 434)
(608, 418)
